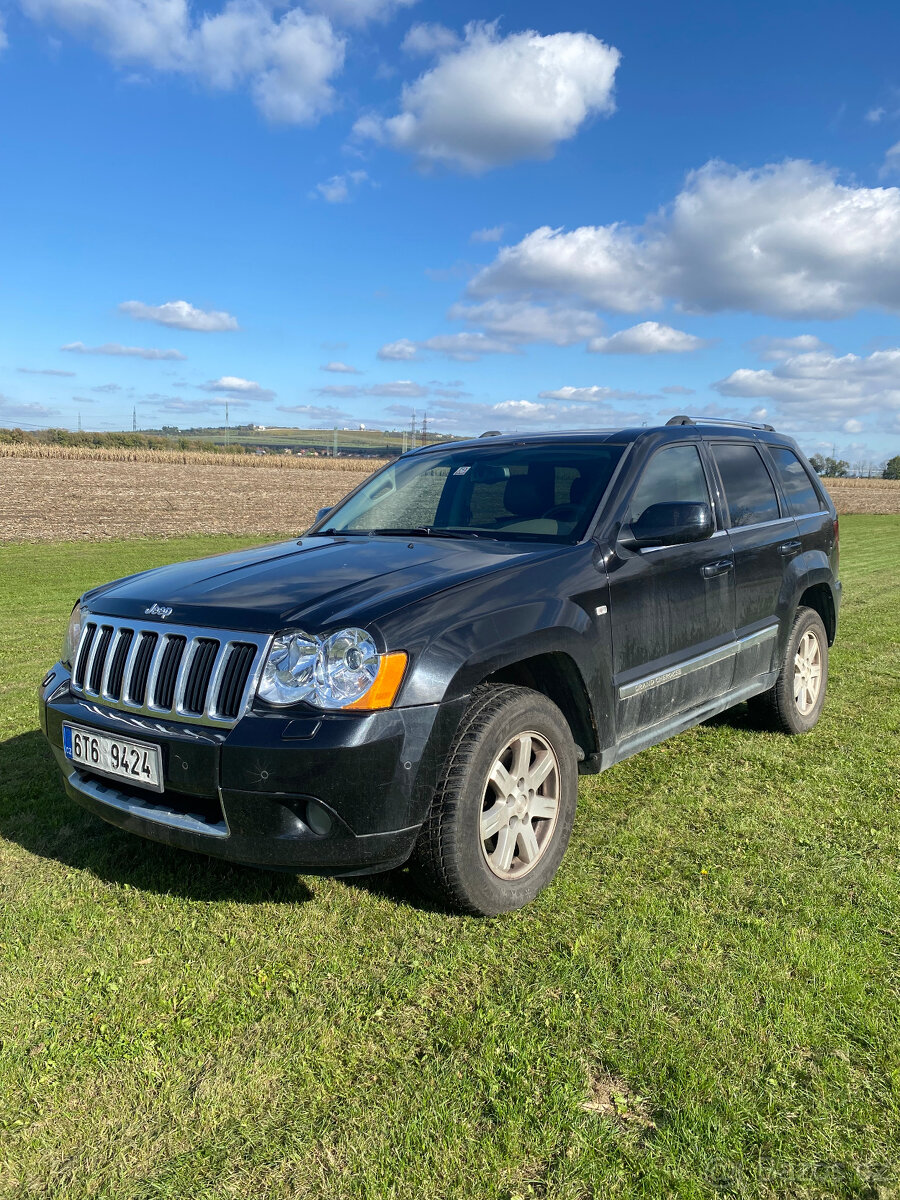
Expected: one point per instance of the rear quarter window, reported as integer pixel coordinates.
(799, 489)
(749, 491)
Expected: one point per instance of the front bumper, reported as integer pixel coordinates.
(256, 793)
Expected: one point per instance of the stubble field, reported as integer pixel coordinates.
(50, 493)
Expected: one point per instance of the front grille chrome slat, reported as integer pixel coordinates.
(190, 675)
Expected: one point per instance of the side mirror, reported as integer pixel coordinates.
(323, 512)
(672, 524)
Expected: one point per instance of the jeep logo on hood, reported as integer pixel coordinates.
(158, 610)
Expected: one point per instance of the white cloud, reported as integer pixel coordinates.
(11, 411)
(316, 412)
(401, 351)
(647, 338)
(428, 38)
(467, 347)
(676, 389)
(593, 395)
(358, 12)
(493, 234)
(508, 415)
(776, 349)
(338, 188)
(4, 40)
(891, 164)
(233, 385)
(117, 350)
(874, 115)
(340, 368)
(396, 389)
(787, 240)
(175, 404)
(519, 321)
(822, 389)
(287, 61)
(497, 100)
(178, 314)
(45, 371)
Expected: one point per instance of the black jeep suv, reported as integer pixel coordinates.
(423, 675)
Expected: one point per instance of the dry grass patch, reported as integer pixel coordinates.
(611, 1097)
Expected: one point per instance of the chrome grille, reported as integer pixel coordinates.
(199, 676)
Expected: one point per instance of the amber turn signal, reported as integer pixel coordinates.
(387, 682)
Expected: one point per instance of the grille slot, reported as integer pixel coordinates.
(99, 659)
(195, 676)
(170, 661)
(234, 679)
(140, 671)
(84, 653)
(117, 666)
(199, 675)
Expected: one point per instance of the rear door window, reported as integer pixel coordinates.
(749, 491)
(801, 495)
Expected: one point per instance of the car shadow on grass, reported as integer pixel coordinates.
(37, 815)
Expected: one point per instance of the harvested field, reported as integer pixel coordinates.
(49, 493)
(132, 494)
(865, 495)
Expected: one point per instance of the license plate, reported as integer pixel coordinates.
(119, 758)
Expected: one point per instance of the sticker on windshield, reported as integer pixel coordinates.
(460, 470)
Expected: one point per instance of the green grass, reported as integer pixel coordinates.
(722, 940)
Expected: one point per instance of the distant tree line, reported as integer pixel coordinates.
(114, 441)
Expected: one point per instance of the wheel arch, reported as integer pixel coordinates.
(556, 675)
(818, 597)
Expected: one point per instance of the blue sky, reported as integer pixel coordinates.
(523, 218)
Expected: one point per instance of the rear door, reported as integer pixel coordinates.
(764, 539)
(671, 607)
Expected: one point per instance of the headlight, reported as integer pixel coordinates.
(343, 670)
(72, 638)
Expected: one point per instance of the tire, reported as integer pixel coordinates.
(794, 704)
(474, 852)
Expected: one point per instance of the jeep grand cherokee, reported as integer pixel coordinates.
(422, 676)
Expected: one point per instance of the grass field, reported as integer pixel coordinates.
(705, 1004)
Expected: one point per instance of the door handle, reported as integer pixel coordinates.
(717, 568)
(792, 547)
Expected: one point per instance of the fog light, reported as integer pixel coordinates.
(319, 819)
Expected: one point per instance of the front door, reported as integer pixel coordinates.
(671, 607)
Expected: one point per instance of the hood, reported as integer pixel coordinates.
(316, 583)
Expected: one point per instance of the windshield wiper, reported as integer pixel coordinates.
(409, 531)
(430, 531)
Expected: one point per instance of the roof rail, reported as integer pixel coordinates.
(490, 433)
(683, 420)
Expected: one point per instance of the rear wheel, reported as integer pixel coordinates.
(502, 814)
(794, 704)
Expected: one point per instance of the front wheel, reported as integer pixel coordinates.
(794, 704)
(502, 814)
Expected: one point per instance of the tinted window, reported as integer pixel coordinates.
(673, 474)
(749, 490)
(545, 492)
(798, 488)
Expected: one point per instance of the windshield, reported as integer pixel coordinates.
(517, 493)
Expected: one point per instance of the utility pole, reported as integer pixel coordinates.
(79, 422)
(425, 429)
(412, 431)
(334, 443)
(226, 424)
(134, 420)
